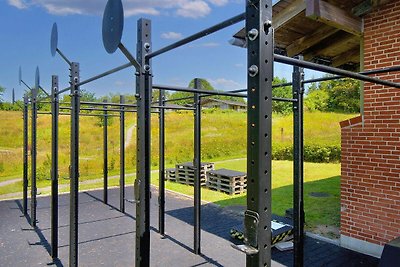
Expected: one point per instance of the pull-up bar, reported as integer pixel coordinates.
(331, 70)
(192, 90)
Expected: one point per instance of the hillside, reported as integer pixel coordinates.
(223, 136)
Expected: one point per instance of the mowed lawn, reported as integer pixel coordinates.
(319, 178)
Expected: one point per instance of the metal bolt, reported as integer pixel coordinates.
(147, 68)
(252, 34)
(253, 70)
(147, 46)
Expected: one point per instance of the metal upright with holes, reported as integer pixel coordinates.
(74, 168)
(142, 183)
(54, 165)
(122, 155)
(25, 171)
(105, 154)
(259, 83)
(161, 198)
(33, 155)
(298, 206)
(197, 169)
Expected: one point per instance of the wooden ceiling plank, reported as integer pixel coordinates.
(338, 44)
(288, 13)
(310, 40)
(346, 57)
(334, 16)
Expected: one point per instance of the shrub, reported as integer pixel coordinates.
(312, 153)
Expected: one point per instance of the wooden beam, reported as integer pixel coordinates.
(305, 42)
(352, 55)
(367, 6)
(278, 20)
(334, 16)
(292, 10)
(336, 45)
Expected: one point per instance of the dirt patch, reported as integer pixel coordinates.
(328, 231)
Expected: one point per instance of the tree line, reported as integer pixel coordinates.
(341, 95)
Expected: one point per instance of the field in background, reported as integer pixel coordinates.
(223, 137)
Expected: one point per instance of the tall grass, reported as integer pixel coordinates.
(223, 136)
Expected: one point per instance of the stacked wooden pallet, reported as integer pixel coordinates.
(185, 172)
(228, 181)
(170, 175)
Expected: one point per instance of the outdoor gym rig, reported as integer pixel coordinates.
(260, 59)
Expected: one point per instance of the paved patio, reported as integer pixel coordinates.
(106, 236)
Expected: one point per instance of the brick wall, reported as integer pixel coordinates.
(370, 189)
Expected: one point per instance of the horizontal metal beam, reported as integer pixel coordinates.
(108, 104)
(368, 72)
(199, 35)
(105, 74)
(331, 70)
(80, 114)
(192, 90)
(174, 108)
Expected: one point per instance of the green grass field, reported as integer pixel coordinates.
(223, 137)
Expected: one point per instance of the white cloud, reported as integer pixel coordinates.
(171, 35)
(183, 8)
(20, 4)
(218, 2)
(225, 84)
(239, 65)
(208, 44)
(193, 9)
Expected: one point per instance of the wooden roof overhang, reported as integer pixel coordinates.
(324, 31)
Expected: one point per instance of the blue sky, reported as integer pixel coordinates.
(25, 41)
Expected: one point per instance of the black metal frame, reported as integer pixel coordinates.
(105, 154)
(197, 169)
(122, 156)
(298, 166)
(260, 59)
(25, 156)
(74, 166)
(161, 167)
(142, 182)
(54, 166)
(33, 156)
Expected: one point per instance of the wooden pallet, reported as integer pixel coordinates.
(170, 175)
(190, 181)
(227, 189)
(185, 173)
(227, 181)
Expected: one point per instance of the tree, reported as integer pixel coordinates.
(283, 92)
(2, 90)
(85, 96)
(341, 95)
(205, 85)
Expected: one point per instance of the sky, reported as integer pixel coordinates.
(25, 41)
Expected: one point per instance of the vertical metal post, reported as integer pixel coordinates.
(25, 171)
(33, 156)
(298, 209)
(161, 172)
(74, 170)
(105, 154)
(122, 156)
(54, 166)
(197, 169)
(142, 183)
(259, 109)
